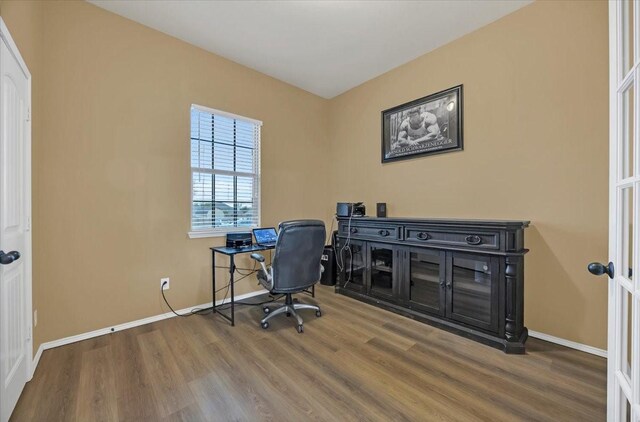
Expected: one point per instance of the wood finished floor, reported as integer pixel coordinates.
(355, 363)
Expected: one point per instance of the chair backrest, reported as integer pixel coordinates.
(296, 262)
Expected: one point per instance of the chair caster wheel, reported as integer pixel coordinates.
(300, 329)
(264, 325)
(266, 310)
(318, 314)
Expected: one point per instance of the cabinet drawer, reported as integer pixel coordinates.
(423, 235)
(370, 231)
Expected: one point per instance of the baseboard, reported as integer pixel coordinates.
(127, 325)
(569, 343)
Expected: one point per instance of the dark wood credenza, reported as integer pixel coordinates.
(464, 276)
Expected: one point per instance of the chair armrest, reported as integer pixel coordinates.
(257, 257)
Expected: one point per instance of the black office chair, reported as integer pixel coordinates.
(295, 266)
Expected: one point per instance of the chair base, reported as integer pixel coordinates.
(289, 308)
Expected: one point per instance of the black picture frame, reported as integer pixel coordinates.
(403, 139)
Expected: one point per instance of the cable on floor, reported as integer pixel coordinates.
(205, 311)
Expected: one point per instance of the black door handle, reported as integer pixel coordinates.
(9, 257)
(423, 236)
(597, 268)
(473, 239)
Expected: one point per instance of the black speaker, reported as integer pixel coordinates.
(381, 209)
(328, 261)
(237, 240)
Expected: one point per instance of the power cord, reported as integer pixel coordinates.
(201, 311)
(251, 271)
(340, 258)
(228, 287)
(195, 311)
(237, 268)
(271, 300)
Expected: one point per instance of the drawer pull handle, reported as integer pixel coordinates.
(473, 239)
(383, 232)
(423, 236)
(354, 230)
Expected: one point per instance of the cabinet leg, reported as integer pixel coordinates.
(514, 317)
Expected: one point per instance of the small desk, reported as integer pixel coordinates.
(231, 253)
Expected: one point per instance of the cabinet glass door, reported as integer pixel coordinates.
(472, 290)
(353, 259)
(425, 271)
(382, 276)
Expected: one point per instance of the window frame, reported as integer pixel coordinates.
(222, 231)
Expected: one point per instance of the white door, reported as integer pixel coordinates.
(623, 364)
(15, 292)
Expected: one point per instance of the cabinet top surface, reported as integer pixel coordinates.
(441, 221)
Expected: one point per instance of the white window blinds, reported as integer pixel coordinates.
(225, 171)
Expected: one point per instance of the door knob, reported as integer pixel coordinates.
(597, 268)
(9, 257)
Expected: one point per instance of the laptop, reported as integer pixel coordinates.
(266, 236)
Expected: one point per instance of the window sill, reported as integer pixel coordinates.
(199, 235)
(217, 233)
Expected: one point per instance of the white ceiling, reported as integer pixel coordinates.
(324, 47)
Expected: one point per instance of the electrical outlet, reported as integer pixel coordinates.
(165, 286)
(35, 318)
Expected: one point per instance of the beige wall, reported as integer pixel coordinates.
(112, 182)
(111, 164)
(535, 148)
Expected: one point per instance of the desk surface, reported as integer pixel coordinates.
(233, 251)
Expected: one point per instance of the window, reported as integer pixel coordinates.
(225, 172)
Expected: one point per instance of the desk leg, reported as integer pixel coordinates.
(232, 270)
(213, 282)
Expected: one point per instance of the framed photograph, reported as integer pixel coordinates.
(428, 125)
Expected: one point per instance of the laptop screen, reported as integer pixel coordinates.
(264, 236)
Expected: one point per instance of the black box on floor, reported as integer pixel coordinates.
(328, 261)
